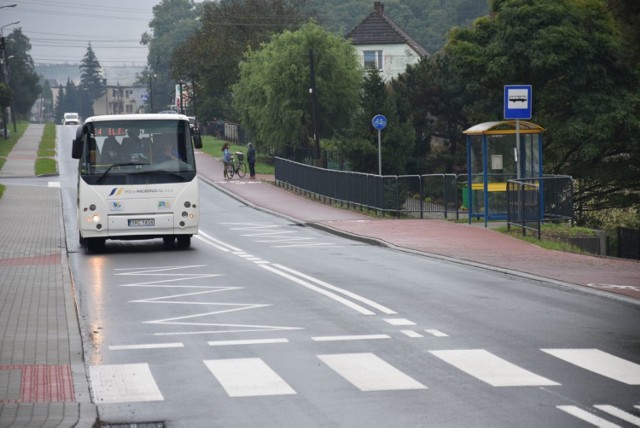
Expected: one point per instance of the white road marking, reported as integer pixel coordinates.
(329, 294)
(437, 333)
(600, 362)
(587, 417)
(491, 369)
(619, 413)
(367, 372)
(146, 346)
(347, 338)
(208, 239)
(318, 244)
(227, 328)
(247, 342)
(279, 232)
(248, 377)
(123, 383)
(53, 184)
(411, 333)
(399, 321)
(347, 293)
(292, 239)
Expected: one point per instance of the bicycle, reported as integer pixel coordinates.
(236, 166)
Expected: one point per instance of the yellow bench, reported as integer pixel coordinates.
(491, 187)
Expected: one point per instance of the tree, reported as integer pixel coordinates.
(272, 94)
(586, 88)
(174, 21)
(229, 28)
(24, 82)
(92, 85)
(68, 100)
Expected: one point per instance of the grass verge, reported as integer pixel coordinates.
(213, 147)
(46, 162)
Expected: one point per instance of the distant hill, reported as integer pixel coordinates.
(124, 75)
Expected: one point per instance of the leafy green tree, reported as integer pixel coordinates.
(229, 29)
(23, 79)
(68, 100)
(91, 85)
(359, 143)
(272, 95)
(174, 21)
(586, 88)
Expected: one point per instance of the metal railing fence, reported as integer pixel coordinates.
(532, 201)
(412, 195)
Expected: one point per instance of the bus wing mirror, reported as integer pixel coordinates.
(197, 141)
(76, 149)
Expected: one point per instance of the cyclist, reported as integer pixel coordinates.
(226, 158)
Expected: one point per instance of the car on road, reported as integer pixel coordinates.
(71, 119)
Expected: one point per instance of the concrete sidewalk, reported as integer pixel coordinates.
(42, 376)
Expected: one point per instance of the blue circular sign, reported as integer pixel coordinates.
(379, 121)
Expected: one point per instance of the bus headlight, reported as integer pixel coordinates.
(95, 218)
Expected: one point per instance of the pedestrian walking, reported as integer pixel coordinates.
(251, 159)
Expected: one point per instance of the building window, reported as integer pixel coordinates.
(129, 108)
(373, 59)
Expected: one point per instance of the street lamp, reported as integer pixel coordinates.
(8, 25)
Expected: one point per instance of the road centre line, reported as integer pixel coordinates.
(437, 333)
(247, 342)
(411, 333)
(320, 244)
(399, 321)
(295, 276)
(270, 233)
(146, 346)
(350, 294)
(215, 242)
(312, 287)
(352, 337)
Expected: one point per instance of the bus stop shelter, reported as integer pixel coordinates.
(498, 152)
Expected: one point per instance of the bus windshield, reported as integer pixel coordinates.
(137, 152)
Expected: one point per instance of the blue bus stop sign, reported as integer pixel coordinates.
(379, 122)
(517, 102)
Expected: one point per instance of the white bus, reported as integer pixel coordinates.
(137, 179)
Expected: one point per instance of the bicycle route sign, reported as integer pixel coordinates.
(379, 122)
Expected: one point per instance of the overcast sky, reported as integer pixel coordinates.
(60, 30)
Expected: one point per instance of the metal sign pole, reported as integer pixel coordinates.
(379, 153)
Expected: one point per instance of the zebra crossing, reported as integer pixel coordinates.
(367, 372)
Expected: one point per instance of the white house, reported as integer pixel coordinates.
(381, 43)
(119, 99)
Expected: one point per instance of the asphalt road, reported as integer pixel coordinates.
(265, 323)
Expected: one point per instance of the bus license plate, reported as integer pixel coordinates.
(142, 222)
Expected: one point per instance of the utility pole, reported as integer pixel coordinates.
(314, 105)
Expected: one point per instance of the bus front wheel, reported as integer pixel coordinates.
(95, 245)
(184, 241)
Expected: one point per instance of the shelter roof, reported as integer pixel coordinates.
(504, 127)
